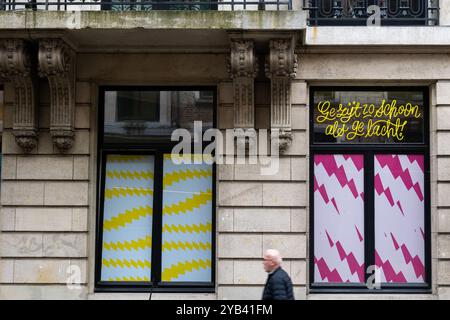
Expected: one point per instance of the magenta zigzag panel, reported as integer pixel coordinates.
(338, 218)
(399, 218)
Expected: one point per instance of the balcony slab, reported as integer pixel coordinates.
(230, 20)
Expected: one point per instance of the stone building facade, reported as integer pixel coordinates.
(261, 66)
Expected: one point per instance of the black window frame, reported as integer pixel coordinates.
(369, 151)
(158, 149)
(2, 105)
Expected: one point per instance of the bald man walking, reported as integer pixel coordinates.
(278, 285)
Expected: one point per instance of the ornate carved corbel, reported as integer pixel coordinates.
(57, 63)
(16, 67)
(281, 67)
(243, 68)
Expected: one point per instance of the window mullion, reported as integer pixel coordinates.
(427, 219)
(157, 220)
(100, 215)
(369, 210)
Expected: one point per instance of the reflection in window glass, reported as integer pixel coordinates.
(138, 117)
(399, 218)
(137, 105)
(338, 218)
(187, 222)
(368, 116)
(127, 218)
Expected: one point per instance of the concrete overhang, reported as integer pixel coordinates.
(157, 19)
(137, 31)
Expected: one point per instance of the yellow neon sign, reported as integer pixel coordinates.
(366, 120)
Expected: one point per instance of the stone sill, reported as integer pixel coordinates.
(378, 36)
(317, 296)
(155, 296)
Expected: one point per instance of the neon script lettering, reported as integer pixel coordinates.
(358, 119)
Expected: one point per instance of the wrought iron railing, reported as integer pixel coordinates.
(145, 5)
(363, 12)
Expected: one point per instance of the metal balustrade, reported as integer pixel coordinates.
(358, 12)
(145, 5)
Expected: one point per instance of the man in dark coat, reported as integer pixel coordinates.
(278, 285)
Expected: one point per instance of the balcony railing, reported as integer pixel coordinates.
(145, 5)
(360, 12)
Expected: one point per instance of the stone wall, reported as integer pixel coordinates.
(440, 156)
(49, 200)
(142, 69)
(403, 69)
(44, 198)
(258, 212)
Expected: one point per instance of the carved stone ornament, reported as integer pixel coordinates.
(243, 68)
(281, 61)
(15, 66)
(243, 62)
(57, 63)
(281, 67)
(285, 140)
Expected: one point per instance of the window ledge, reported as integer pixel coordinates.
(380, 296)
(155, 296)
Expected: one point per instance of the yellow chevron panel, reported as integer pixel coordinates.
(124, 263)
(185, 245)
(173, 177)
(182, 267)
(188, 158)
(126, 158)
(141, 243)
(191, 228)
(131, 278)
(127, 217)
(189, 204)
(126, 174)
(123, 191)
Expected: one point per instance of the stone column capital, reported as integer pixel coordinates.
(281, 61)
(243, 61)
(56, 58)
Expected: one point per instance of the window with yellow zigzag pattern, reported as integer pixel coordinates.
(156, 211)
(128, 217)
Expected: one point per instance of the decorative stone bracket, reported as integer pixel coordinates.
(16, 66)
(243, 69)
(57, 63)
(281, 67)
